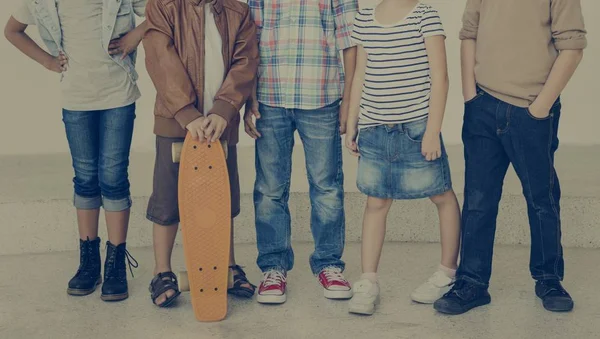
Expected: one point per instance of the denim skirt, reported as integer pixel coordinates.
(391, 165)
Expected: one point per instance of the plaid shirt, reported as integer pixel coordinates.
(300, 41)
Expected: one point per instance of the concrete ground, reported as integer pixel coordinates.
(34, 303)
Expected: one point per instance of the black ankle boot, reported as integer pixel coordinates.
(88, 275)
(115, 272)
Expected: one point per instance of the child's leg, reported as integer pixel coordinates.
(441, 281)
(87, 223)
(241, 287)
(163, 211)
(373, 234)
(83, 136)
(449, 215)
(116, 132)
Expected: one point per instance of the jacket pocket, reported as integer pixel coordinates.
(124, 21)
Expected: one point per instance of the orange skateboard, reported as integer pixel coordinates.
(205, 213)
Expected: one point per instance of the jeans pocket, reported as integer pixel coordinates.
(548, 117)
(477, 96)
(415, 130)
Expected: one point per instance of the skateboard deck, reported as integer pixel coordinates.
(184, 282)
(205, 213)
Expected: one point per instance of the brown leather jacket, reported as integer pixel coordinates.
(174, 47)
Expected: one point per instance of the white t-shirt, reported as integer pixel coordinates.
(397, 84)
(93, 81)
(214, 68)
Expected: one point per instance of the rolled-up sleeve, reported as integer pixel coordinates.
(344, 12)
(568, 28)
(470, 20)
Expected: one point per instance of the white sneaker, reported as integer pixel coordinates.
(366, 296)
(434, 288)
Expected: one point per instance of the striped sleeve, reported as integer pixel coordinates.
(431, 23)
(360, 23)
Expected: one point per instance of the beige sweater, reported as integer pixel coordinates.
(518, 42)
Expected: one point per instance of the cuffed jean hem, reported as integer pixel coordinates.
(116, 205)
(472, 281)
(87, 203)
(542, 277)
(273, 268)
(93, 203)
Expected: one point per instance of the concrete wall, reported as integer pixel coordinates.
(30, 95)
(36, 214)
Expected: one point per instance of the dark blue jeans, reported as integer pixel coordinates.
(100, 142)
(319, 131)
(496, 134)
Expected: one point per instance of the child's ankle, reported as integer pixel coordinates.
(449, 272)
(372, 277)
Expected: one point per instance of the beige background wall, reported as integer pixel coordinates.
(31, 112)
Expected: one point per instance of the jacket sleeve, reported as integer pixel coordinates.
(239, 82)
(470, 20)
(164, 66)
(568, 29)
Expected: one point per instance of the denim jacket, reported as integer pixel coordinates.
(118, 18)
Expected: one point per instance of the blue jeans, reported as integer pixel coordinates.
(100, 142)
(496, 134)
(319, 131)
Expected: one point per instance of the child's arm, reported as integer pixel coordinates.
(568, 32)
(14, 31)
(166, 70)
(256, 13)
(468, 35)
(467, 62)
(349, 56)
(434, 36)
(355, 98)
(344, 13)
(129, 42)
(436, 53)
(239, 82)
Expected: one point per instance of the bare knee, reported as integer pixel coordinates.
(444, 199)
(376, 205)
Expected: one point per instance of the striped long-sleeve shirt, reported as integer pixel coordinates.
(300, 44)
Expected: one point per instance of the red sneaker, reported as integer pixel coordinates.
(272, 288)
(334, 284)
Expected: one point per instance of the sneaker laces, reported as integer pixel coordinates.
(554, 288)
(85, 254)
(273, 278)
(334, 274)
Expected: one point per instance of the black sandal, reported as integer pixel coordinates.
(162, 283)
(239, 280)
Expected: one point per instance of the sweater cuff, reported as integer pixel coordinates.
(186, 115)
(574, 43)
(224, 109)
(468, 33)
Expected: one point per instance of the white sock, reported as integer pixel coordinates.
(372, 277)
(449, 272)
